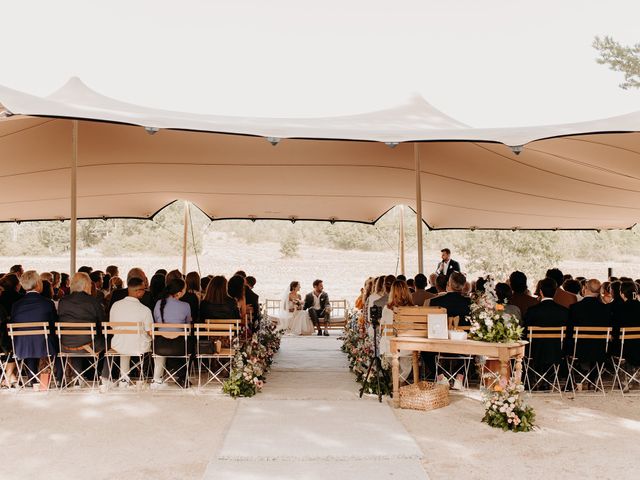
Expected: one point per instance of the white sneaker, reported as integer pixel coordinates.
(105, 385)
(158, 385)
(458, 385)
(442, 380)
(124, 383)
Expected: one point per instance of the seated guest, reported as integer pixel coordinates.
(10, 285)
(170, 310)
(384, 299)
(235, 288)
(204, 283)
(64, 284)
(173, 274)
(96, 278)
(432, 282)
(399, 296)
(420, 295)
(192, 295)
(33, 307)
(441, 287)
(564, 298)
(574, 287)
(112, 271)
(504, 294)
(589, 312)
(412, 285)
(80, 307)
(156, 286)
(47, 290)
(628, 315)
(253, 299)
(456, 304)
(521, 297)
(606, 296)
(121, 293)
(9, 379)
(129, 309)
(217, 303)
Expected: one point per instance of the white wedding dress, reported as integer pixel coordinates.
(296, 322)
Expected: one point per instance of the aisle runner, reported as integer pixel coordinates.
(309, 423)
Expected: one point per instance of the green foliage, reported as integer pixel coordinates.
(620, 58)
(289, 246)
(505, 409)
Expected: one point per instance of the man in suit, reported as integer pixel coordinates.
(546, 352)
(447, 266)
(589, 312)
(456, 304)
(317, 303)
(252, 299)
(421, 295)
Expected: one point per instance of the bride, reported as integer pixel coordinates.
(292, 317)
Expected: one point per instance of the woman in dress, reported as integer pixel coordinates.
(297, 320)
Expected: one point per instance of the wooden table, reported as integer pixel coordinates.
(504, 352)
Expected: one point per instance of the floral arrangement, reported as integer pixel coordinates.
(252, 359)
(489, 321)
(358, 345)
(505, 409)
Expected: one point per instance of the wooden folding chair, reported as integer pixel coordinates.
(89, 353)
(172, 331)
(585, 335)
(413, 322)
(273, 307)
(554, 336)
(623, 376)
(339, 314)
(210, 333)
(123, 328)
(30, 329)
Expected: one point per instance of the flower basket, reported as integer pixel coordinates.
(424, 396)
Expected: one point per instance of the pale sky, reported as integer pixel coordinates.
(485, 63)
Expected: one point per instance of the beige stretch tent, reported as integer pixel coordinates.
(348, 168)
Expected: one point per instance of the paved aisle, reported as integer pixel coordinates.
(310, 424)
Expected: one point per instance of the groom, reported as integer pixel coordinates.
(317, 302)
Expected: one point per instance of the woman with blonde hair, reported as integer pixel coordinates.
(399, 296)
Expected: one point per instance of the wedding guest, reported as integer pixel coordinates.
(628, 316)
(48, 276)
(574, 287)
(169, 309)
(317, 304)
(504, 295)
(384, 299)
(366, 293)
(217, 303)
(161, 271)
(399, 296)
(10, 285)
(564, 298)
(156, 286)
(606, 296)
(9, 379)
(253, 300)
(546, 352)
(17, 270)
(377, 290)
(521, 297)
(129, 309)
(64, 284)
(432, 281)
(441, 287)
(192, 295)
(411, 284)
(112, 270)
(56, 285)
(33, 307)
(106, 284)
(204, 283)
(85, 269)
(47, 290)
(456, 304)
(236, 290)
(80, 307)
(591, 312)
(121, 293)
(96, 279)
(420, 295)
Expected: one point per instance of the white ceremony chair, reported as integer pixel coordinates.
(623, 377)
(215, 364)
(123, 328)
(551, 336)
(30, 329)
(4, 360)
(585, 335)
(172, 331)
(273, 307)
(339, 314)
(88, 353)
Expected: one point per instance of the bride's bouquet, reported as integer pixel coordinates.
(489, 321)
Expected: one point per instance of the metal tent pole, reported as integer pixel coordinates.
(416, 154)
(185, 238)
(74, 199)
(401, 234)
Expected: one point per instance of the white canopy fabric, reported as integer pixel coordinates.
(574, 176)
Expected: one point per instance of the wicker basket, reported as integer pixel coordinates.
(424, 396)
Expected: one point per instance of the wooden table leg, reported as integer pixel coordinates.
(395, 375)
(416, 367)
(504, 367)
(518, 370)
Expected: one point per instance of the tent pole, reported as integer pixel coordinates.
(74, 199)
(416, 154)
(401, 239)
(185, 238)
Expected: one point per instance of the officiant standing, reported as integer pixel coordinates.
(317, 302)
(447, 266)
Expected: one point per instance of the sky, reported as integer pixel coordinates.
(486, 63)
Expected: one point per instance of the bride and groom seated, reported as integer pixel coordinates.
(300, 318)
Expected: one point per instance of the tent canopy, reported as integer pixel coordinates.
(583, 175)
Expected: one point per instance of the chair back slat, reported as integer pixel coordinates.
(413, 321)
(160, 329)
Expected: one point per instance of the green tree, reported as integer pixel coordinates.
(289, 246)
(620, 58)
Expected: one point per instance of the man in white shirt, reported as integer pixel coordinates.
(447, 266)
(130, 309)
